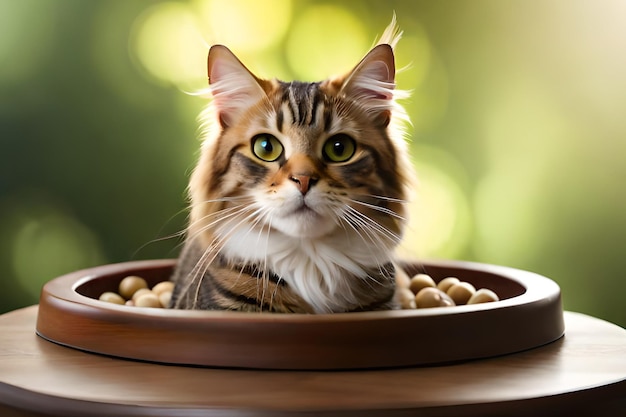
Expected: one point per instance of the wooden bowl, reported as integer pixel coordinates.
(528, 315)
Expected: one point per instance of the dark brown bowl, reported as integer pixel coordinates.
(528, 315)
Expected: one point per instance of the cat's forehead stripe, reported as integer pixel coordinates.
(328, 118)
(293, 105)
(303, 100)
(280, 118)
(316, 102)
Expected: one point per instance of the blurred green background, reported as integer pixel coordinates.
(518, 135)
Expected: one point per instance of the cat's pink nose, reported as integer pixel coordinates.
(303, 182)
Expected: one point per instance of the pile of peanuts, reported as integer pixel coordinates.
(134, 291)
(421, 291)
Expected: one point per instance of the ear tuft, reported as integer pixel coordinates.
(372, 81)
(392, 33)
(234, 88)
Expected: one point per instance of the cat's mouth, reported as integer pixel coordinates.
(303, 220)
(304, 209)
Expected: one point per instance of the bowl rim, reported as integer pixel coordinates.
(71, 319)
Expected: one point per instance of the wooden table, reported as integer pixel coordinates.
(583, 373)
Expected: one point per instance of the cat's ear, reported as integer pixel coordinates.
(233, 86)
(372, 82)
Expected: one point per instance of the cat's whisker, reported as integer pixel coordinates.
(376, 242)
(206, 227)
(266, 266)
(225, 215)
(385, 198)
(220, 213)
(267, 221)
(195, 276)
(374, 225)
(241, 199)
(176, 235)
(263, 216)
(384, 210)
(366, 234)
(258, 215)
(230, 199)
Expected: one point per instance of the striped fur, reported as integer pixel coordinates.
(299, 233)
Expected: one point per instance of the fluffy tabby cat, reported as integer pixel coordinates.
(298, 200)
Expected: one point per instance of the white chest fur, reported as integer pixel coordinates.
(321, 270)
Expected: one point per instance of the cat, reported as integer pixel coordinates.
(299, 197)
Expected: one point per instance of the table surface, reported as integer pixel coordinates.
(585, 368)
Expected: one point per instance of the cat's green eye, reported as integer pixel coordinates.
(267, 147)
(339, 148)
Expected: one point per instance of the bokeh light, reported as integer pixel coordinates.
(326, 40)
(243, 25)
(440, 220)
(46, 242)
(169, 45)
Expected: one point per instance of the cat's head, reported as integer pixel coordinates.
(303, 159)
